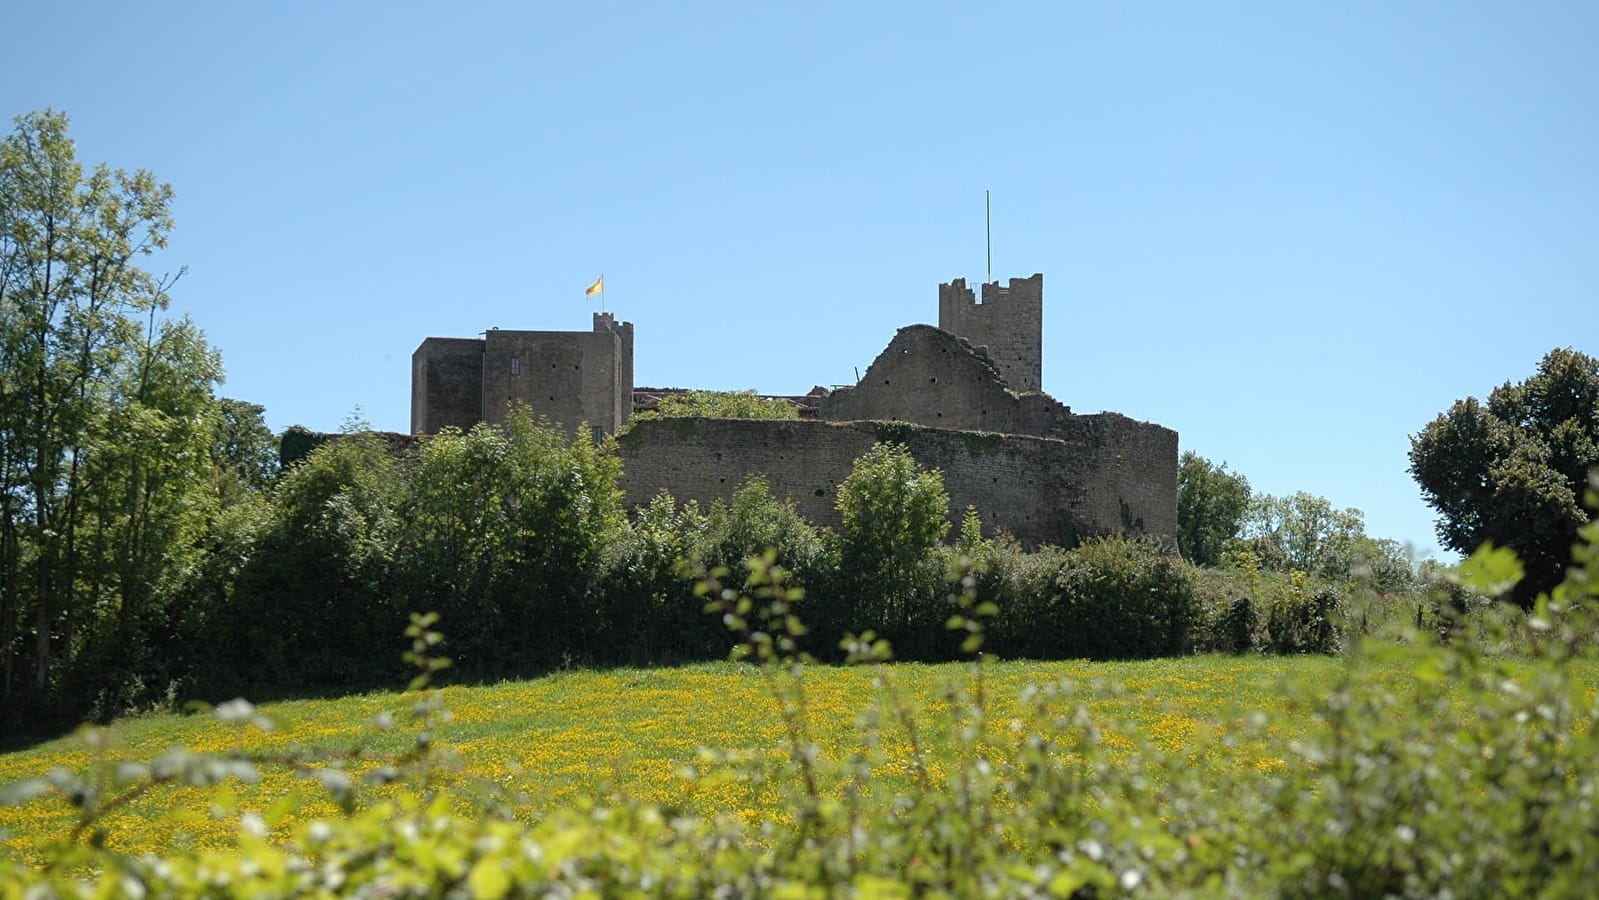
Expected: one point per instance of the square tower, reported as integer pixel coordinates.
(568, 377)
(1009, 322)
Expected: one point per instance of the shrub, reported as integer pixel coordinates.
(721, 405)
(894, 514)
(312, 606)
(755, 522)
(1124, 598)
(509, 531)
(1026, 588)
(651, 612)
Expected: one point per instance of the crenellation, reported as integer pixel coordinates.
(1009, 322)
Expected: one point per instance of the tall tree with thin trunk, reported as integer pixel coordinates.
(84, 364)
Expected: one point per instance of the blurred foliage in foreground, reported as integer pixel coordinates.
(1469, 775)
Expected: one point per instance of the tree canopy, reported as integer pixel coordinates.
(1211, 503)
(107, 418)
(1512, 470)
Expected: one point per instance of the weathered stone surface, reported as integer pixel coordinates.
(932, 377)
(446, 384)
(569, 377)
(1117, 475)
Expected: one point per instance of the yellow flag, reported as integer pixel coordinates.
(598, 287)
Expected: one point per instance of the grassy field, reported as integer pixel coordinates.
(638, 734)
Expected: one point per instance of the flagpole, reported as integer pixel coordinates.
(988, 234)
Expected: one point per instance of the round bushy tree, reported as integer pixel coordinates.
(1512, 470)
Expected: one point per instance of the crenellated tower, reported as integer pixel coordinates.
(1009, 322)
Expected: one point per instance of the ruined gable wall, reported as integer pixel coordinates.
(446, 384)
(931, 377)
(1041, 490)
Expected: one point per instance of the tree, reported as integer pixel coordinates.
(1511, 471)
(1211, 503)
(101, 404)
(894, 513)
(1303, 532)
(507, 530)
(244, 446)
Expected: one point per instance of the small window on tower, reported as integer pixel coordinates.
(516, 365)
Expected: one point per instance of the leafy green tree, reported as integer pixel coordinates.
(1211, 503)
(756, 521)
(652, 614)
(894, 511)
(1305, 533)
(722, 405)
(1511, 471)
(244, 445)
(102, 406)
(508, 531)
(315, 601)
(894, 514)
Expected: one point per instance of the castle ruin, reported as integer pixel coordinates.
(965, 397)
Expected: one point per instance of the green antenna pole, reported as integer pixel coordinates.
(988, 234)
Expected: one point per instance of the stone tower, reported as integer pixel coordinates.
(1009, 322)
(569, 377)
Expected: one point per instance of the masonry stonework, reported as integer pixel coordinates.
(568, 377)
(931, 377)
(446, 385)
(1041, 490)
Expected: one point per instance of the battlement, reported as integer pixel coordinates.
(1009, 322)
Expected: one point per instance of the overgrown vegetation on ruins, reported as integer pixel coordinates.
(721, 405)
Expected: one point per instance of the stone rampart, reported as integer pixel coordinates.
(1042, 490)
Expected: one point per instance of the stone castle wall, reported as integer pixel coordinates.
(446, 385)
(1042, 490)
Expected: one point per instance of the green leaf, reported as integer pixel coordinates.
(1491, 570)
(489, 880)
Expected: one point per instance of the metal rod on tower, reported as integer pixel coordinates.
(988, 235)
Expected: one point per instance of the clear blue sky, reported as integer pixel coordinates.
(1294, 232)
